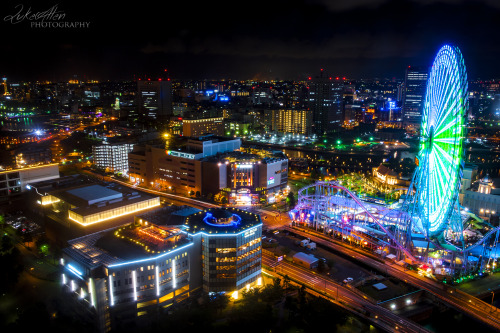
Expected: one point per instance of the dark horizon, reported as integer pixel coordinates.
(285, 40)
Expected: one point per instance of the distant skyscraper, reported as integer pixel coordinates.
(289, 121)
(414, 94)
(155, 98)
(325, 102)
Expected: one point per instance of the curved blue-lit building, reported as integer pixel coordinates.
(231, 247)
(126, 276)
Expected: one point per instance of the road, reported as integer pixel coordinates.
(454, 298)
(345, 296)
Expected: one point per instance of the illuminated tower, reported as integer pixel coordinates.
(155, 98)
(413, 95)
(5, 90)
(325, 102)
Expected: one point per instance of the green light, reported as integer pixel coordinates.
(441, 149)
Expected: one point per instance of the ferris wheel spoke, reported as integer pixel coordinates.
(441, 140)
(447, 126)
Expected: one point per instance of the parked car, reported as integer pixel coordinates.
(348, 280)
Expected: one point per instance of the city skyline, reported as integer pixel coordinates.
(278, 40)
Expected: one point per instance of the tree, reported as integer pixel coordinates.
(321, 266)
(286, 282)
(198, 194)
(191, 193)
(223, 200)
(290, 199)
(219, 301)
(210, 196)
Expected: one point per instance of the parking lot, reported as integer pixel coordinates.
(21, 223)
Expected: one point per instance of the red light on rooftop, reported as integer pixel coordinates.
(337, 78)
(149, 79)
(343, 78)
(159, 79)
(309, 77)
(330, 77)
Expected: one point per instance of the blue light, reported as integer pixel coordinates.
(211, 220)
(74, 271)
(222, 235)
(153, 258)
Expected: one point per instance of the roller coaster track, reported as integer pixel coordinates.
(336, 186)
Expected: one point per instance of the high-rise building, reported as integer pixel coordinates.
(155, 98)
(325, 102)
(414, 94)
(289, 121)
(113, 157)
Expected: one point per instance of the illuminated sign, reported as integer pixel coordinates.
(180, 154)
(270, 181)
(244, 166)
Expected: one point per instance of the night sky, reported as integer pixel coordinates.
(247, 39)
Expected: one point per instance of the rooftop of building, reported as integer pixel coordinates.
(91, 199)
(493, 182)
(248, 156)
(127, 243)
(27, 168)
(184, 144)
(94, 193)
(141, 240)
(61, 183)
(221, 221)
(169, 215)
(383, 170)
(202, 119)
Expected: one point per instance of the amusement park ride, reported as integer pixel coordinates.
(427, 227)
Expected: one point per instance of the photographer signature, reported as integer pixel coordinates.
(52, 14)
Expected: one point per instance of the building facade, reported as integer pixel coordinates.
(15, 181)
(112, 157)
(325, 102)
(414, 93)
(246, 177)
(199, 127)
(483, 198)
(155, 98)
(290, 121)
(180, 168)
(128, 276)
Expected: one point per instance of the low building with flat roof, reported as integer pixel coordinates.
(76, 206)
(90, 204)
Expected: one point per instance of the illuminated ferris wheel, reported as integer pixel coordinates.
(440, 159)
